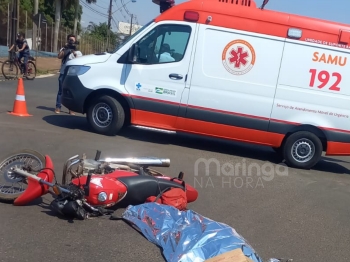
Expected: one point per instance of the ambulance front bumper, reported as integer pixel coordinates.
(74, 94)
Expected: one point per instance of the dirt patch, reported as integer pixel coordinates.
(49, 64)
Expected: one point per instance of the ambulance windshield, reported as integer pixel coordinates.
(129, 38)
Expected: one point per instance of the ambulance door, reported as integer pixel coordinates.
(156, 81)
(233, 83)
(314, 86)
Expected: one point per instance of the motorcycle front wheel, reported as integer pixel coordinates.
(11, 184)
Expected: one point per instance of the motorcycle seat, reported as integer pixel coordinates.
(139, 188)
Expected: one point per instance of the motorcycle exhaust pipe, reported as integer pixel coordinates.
(141, 161)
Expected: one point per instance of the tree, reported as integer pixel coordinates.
(59, 4)
(63, 12)
(100, 32)
(77, 7)
(76, 16)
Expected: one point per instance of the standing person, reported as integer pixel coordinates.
(23, 51)
(66, 53)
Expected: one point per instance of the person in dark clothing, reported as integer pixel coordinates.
(66, 53)
(23, 50)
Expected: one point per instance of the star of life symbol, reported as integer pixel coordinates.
(138, 87)
(238, 57)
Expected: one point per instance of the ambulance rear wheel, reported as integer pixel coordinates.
(106, 115)
(302, 150)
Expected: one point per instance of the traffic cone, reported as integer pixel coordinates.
(20, 105)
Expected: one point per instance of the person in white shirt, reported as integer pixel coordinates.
(165, 55)
(66, 53)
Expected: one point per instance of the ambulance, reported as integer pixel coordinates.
(225, 69)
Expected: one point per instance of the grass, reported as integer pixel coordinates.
(42, 72)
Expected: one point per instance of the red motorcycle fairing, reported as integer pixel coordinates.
(115, 190)
(35, 189)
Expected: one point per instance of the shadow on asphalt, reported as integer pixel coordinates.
(239, 149)
(50, 212)
(52, 109)
(36, 202)
(46, 108)
(330, 165)
(67, 121)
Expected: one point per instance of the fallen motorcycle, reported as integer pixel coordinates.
(90, 187)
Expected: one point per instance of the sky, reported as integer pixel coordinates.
(334, 10)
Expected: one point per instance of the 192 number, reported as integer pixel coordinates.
(324, 77)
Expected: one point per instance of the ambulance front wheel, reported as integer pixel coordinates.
(302, 150)
(106, 115)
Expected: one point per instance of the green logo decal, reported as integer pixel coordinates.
(159, 90)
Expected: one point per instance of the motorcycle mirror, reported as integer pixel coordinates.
(98, 155)
(181, 175)
(87, 185)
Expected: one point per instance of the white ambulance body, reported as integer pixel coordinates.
(225, 69)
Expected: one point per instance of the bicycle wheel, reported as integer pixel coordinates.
(9, 69)
(31, 72)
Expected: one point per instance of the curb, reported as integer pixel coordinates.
(37, 77)
(44, 76)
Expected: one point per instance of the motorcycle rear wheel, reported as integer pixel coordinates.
(20, 159)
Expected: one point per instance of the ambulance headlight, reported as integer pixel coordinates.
(102, 197)
(77, 70)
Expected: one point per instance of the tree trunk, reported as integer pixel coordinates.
(76, 16)
(57, 24)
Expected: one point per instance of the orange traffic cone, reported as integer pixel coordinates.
(20, 105)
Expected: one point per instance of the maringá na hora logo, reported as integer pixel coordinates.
(238, 57)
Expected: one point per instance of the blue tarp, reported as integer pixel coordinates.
(186, 236)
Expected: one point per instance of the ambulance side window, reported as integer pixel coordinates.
(164, 44)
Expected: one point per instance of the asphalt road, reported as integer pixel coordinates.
(303, 215)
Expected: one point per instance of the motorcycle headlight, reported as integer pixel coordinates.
(102, 197)
(77, 70)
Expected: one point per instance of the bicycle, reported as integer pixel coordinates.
(15, 64)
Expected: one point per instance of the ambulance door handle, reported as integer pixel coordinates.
(175, 76)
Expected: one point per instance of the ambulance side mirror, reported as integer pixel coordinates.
(133, 53)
